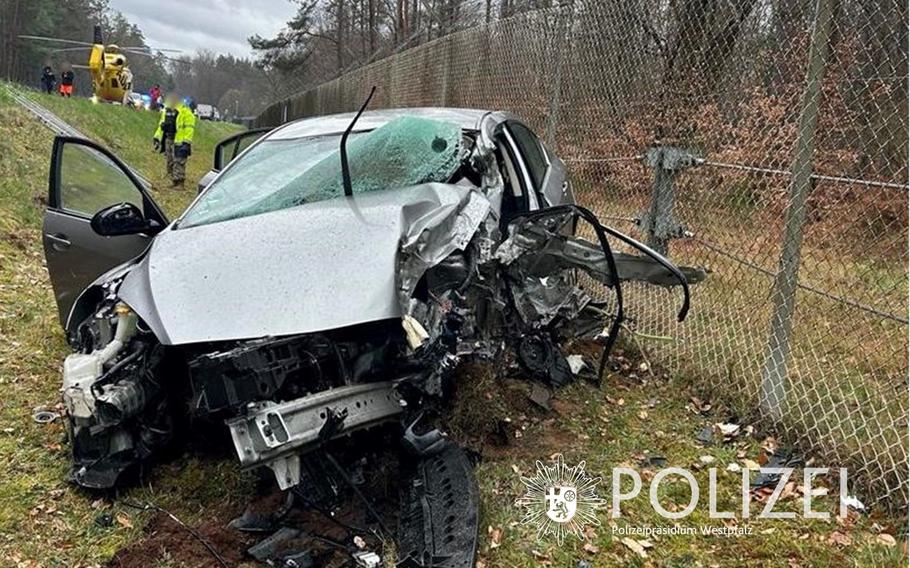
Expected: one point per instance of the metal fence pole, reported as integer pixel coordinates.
(774, 374)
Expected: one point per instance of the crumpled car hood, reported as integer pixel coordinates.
(315, 267)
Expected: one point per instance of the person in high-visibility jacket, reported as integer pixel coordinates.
(183, 139)
(174, 136)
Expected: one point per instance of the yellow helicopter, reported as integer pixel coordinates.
(112, 80)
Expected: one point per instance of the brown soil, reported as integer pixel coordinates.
(165, 539)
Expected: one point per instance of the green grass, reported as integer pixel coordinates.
(46, 522)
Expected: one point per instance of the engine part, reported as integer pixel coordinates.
(82, 370)
(544, 360)
(282, 369)
(120, 401)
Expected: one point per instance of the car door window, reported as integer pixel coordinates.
(547, 173)
(228, 149)
(534, 157)
(90, 181)
(521, 168)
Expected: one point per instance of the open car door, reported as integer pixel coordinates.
(228, 149)
(86, 179)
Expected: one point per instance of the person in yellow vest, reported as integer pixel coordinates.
(174, 136)
(183, 139)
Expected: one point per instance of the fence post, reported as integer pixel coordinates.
(659, 223)
(775, 372)
(448, 83)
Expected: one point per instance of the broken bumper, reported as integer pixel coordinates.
(275, 434)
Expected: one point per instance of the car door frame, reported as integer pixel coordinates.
(217, 168)
(59, 223)
(236, 138)
(554, 186)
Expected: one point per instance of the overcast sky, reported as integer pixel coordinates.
(218, 25)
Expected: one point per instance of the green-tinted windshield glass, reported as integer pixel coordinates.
(278, 174)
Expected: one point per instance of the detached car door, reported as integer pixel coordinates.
(85, 179)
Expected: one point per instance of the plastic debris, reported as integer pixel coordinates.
(366, 559)
(576, 363)
(706, 436)
(654, 461)
(854, 503)
(45, 416)
(540, 396)
(104, 520)
(781, 458)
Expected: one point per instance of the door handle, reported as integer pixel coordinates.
(59, 240)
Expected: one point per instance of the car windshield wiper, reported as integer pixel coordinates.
(345, 169)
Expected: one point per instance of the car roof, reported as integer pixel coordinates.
(467, 119)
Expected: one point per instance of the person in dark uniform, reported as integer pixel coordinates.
(48, 80)
(166, 131)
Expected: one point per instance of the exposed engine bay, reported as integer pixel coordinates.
(471, 283)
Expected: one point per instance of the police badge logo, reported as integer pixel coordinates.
(561, 504)
(560, 500)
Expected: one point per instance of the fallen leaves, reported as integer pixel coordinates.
(124, 521)
(840, 539)
(495, 536)
(639, 547)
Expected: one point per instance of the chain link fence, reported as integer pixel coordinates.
(765, 140)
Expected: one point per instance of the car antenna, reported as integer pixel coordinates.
(345, 170)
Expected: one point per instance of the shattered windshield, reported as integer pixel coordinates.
(278, 174)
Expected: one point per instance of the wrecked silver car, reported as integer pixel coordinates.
(328, 280)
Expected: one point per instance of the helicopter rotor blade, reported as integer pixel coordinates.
(153, 55)
(152, 49)
(57, 39)
(70, 49)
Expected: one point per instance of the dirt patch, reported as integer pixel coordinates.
(166, 541)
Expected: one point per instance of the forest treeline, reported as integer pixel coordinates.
(322, 40)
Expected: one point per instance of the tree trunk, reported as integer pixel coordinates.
(372, 25)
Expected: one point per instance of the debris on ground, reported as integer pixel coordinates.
(780, 459)
(104, 520)
(727, 431)
(706, 435)
(854, 503)
(656, 462)
(45, 416)
(540, 395)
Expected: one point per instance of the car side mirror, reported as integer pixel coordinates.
(122, 219)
